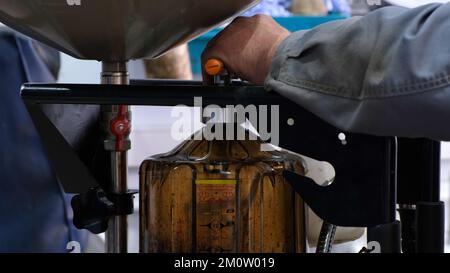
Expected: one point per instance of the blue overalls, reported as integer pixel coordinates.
(35, 213)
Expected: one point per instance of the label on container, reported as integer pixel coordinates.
(216, 215)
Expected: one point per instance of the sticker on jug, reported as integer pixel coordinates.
(216, 215)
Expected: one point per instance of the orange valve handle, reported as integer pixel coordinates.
(214, 67)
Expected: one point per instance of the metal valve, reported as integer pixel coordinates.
(216, 69)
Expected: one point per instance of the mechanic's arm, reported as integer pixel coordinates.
(387, 73)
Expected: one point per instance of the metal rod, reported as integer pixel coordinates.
(152, 94)
(430, 227)
(117, 233)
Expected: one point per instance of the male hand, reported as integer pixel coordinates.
(247, 47)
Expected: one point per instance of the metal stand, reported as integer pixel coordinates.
(116, 122)
(420, 208)
(363, 194)
(388, 236)
(430, 225)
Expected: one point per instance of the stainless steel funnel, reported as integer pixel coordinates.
(116, 30)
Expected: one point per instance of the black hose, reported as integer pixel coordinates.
(326, 238)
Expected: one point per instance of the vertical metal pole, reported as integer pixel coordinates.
(430, 213)
(421, 212)
(388, 235)
(116, 235)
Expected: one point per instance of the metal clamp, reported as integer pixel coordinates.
(93, 209)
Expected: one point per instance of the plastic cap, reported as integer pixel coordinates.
(214, 67)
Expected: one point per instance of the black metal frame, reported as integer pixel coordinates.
(362, 195)
(423, 218)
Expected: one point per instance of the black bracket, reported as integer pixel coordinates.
(93, 209)
(363, 192)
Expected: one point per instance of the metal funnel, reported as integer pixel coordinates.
(117, 30)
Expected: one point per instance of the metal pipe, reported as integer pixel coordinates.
(117, 233)
(430, 227)
(115, 73)
(407, 214)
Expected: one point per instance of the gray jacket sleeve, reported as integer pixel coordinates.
(387, 73)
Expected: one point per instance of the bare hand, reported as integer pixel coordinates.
(247, 47)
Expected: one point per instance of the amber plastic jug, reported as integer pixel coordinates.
(220, 196)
